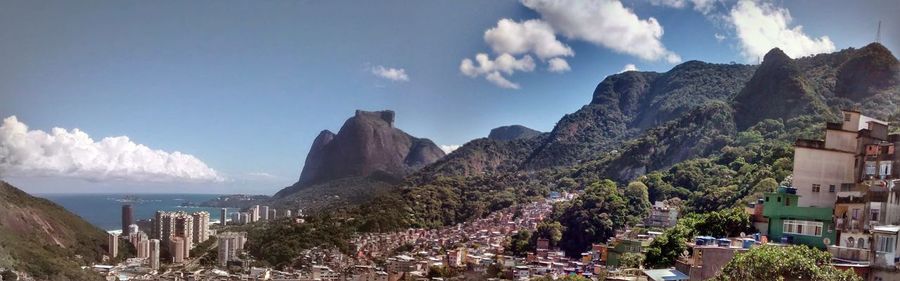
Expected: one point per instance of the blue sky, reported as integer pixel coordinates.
(243, 87)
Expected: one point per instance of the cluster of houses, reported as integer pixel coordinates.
(844, 197)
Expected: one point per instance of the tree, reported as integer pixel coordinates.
(638, 202)
(550, 230)
(520, 243)
(666, 248)
(631, 260)
(784, 263)
(593, 217)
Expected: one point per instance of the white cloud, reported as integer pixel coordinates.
(261, 175)
(447, 148)
(605, 23)
(73, 154)
(703, 6)
(393, 74)
(558, 65)
(719, 37)
(531, 36)
(500, 81)
(762, 26)
(628, 67)
(492, 69)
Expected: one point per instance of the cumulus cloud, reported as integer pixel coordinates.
(605, 23)
(558, 65)
(73, 154)
(628, 67)
(447, 148)
(493, 70)
(531, 36)
(763, 26)
(703, 6)
(389, 73)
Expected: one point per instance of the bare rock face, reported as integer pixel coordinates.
(366, 145)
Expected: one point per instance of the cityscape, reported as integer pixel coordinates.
(525, 140)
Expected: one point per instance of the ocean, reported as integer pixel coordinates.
(105, 210)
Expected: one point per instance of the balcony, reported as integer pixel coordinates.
(854, 255)
(848, 225)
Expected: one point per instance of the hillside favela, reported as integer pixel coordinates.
(575, 140)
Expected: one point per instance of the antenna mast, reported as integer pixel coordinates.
(878, 33)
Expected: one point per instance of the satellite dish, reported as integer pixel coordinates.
(826, 241)
(743, 235)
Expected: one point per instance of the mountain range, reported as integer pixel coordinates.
(635, 122)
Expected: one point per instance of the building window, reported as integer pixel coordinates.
(861, 244)
(807, 228)
(885, 168)
(816, 187)
(870, 168)
(874, 216)
(886, 244)
(847, 117)
(831, 188)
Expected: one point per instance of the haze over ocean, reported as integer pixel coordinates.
(105, 210)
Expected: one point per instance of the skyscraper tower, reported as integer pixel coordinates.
(154, 254)
(113, 246)
(201, 226)
(264, 213)
(176, 248)
(127, 218)
(223, 215)
(184, 229)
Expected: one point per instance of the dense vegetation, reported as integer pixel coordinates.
(666, 248)
(280, 243)
(784, 263)
(58, 255)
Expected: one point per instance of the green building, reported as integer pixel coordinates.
(810, 226)
(619, 248)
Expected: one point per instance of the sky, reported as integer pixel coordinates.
(227, 96)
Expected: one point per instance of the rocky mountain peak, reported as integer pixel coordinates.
(367, 144)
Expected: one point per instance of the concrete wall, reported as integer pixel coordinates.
(840, 140)
(823, 167)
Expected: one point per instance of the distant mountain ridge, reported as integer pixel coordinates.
(634, 109)
(637, 122)
(512, 132)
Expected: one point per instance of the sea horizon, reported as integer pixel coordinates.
(104, 210)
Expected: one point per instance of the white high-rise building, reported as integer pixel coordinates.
(264, 213)
(236, 218)
(154, 253)
(200, 227)
(223, 216)
(140, 242)
(287, 213)
(113, 246)
(231, 244)
(254, 213)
